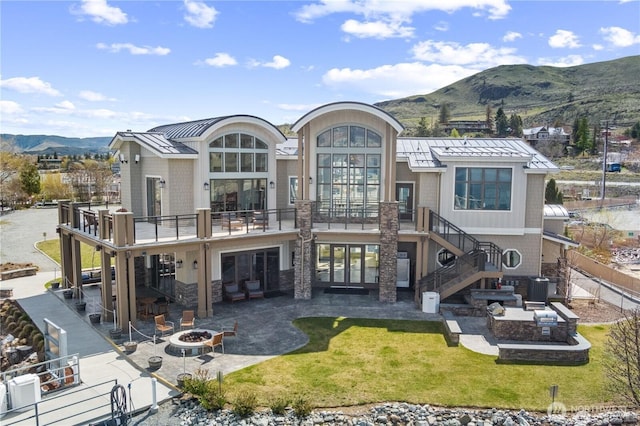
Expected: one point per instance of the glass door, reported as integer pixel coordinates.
(404, 195)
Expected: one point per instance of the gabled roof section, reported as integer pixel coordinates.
(432, 154)
(155, 142)
(338, 106)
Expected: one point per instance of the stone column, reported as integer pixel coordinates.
(303, 259)
(388, 251)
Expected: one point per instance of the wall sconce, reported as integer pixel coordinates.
(122, 159)
(272, 185)
(206, 186)
(195, 264)
(162, 183)
(310, 179)
(137, 158)
(179, 263)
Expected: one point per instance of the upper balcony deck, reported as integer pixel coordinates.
(99, 224)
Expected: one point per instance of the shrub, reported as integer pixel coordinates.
(279, 405)
(301, 407)
(245, 404)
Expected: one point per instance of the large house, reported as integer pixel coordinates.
(209, 205)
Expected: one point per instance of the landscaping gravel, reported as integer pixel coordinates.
(187, 412)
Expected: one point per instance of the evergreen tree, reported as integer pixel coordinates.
(515, 122)
(30, 179)
(552, 194)
(423, 128)
(445, 114)
(502, 123)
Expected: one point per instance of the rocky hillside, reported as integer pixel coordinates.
(539, 94)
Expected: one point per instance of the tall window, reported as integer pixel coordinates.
(479, 188)
(238, 172)
(348, 170)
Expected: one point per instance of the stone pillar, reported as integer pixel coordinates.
(388, 251)
(303, 259)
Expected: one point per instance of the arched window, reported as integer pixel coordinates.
(349, 171)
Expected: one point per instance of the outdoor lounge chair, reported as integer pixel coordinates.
(253, 290)
(188, 319)
(215, 341)
(163, 325)
(232, 292)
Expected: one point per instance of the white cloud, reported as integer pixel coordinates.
(29, 85)
(619, 37)
(376, 29)
(511, 36)
(567, 61)
(383, 19)
(99, 11)
(564, 38)
(199, 14)
(441, 26)
(476, 55)
(91, 96)
(66, 105)
(278, 62)
(133, 49)
(221, 60)
(399, 80)
(10, 108)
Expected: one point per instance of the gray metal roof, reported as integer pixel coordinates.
(423, 154)
(187, 129)
(158, 143)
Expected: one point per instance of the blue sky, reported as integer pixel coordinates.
(95, 67)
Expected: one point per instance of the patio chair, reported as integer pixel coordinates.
(232, 292)
(163, 325)
(253, 290)
(260, 220)
(233, 332)
(215, 341)
(188, 319)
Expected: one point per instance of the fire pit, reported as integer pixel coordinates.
(192, 341)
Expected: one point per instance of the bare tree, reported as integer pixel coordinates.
(622, 357)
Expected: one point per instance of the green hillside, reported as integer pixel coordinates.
(539, 94)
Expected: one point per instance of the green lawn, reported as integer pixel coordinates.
(90, 258)
(358, 361)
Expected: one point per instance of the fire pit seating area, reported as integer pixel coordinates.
(193, 342)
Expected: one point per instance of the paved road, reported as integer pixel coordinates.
(21, 229)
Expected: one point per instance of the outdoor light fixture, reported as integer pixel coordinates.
(195, 264)
(179, 263)
(272, 184)
(137, 157)
(162, 183)
(206, 186)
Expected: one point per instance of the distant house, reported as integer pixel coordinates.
(536, 135)
(467, 126)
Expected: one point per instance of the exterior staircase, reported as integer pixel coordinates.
(475, 260)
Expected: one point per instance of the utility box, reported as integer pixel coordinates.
(24, 391)
(430, 302)
(538, 289)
